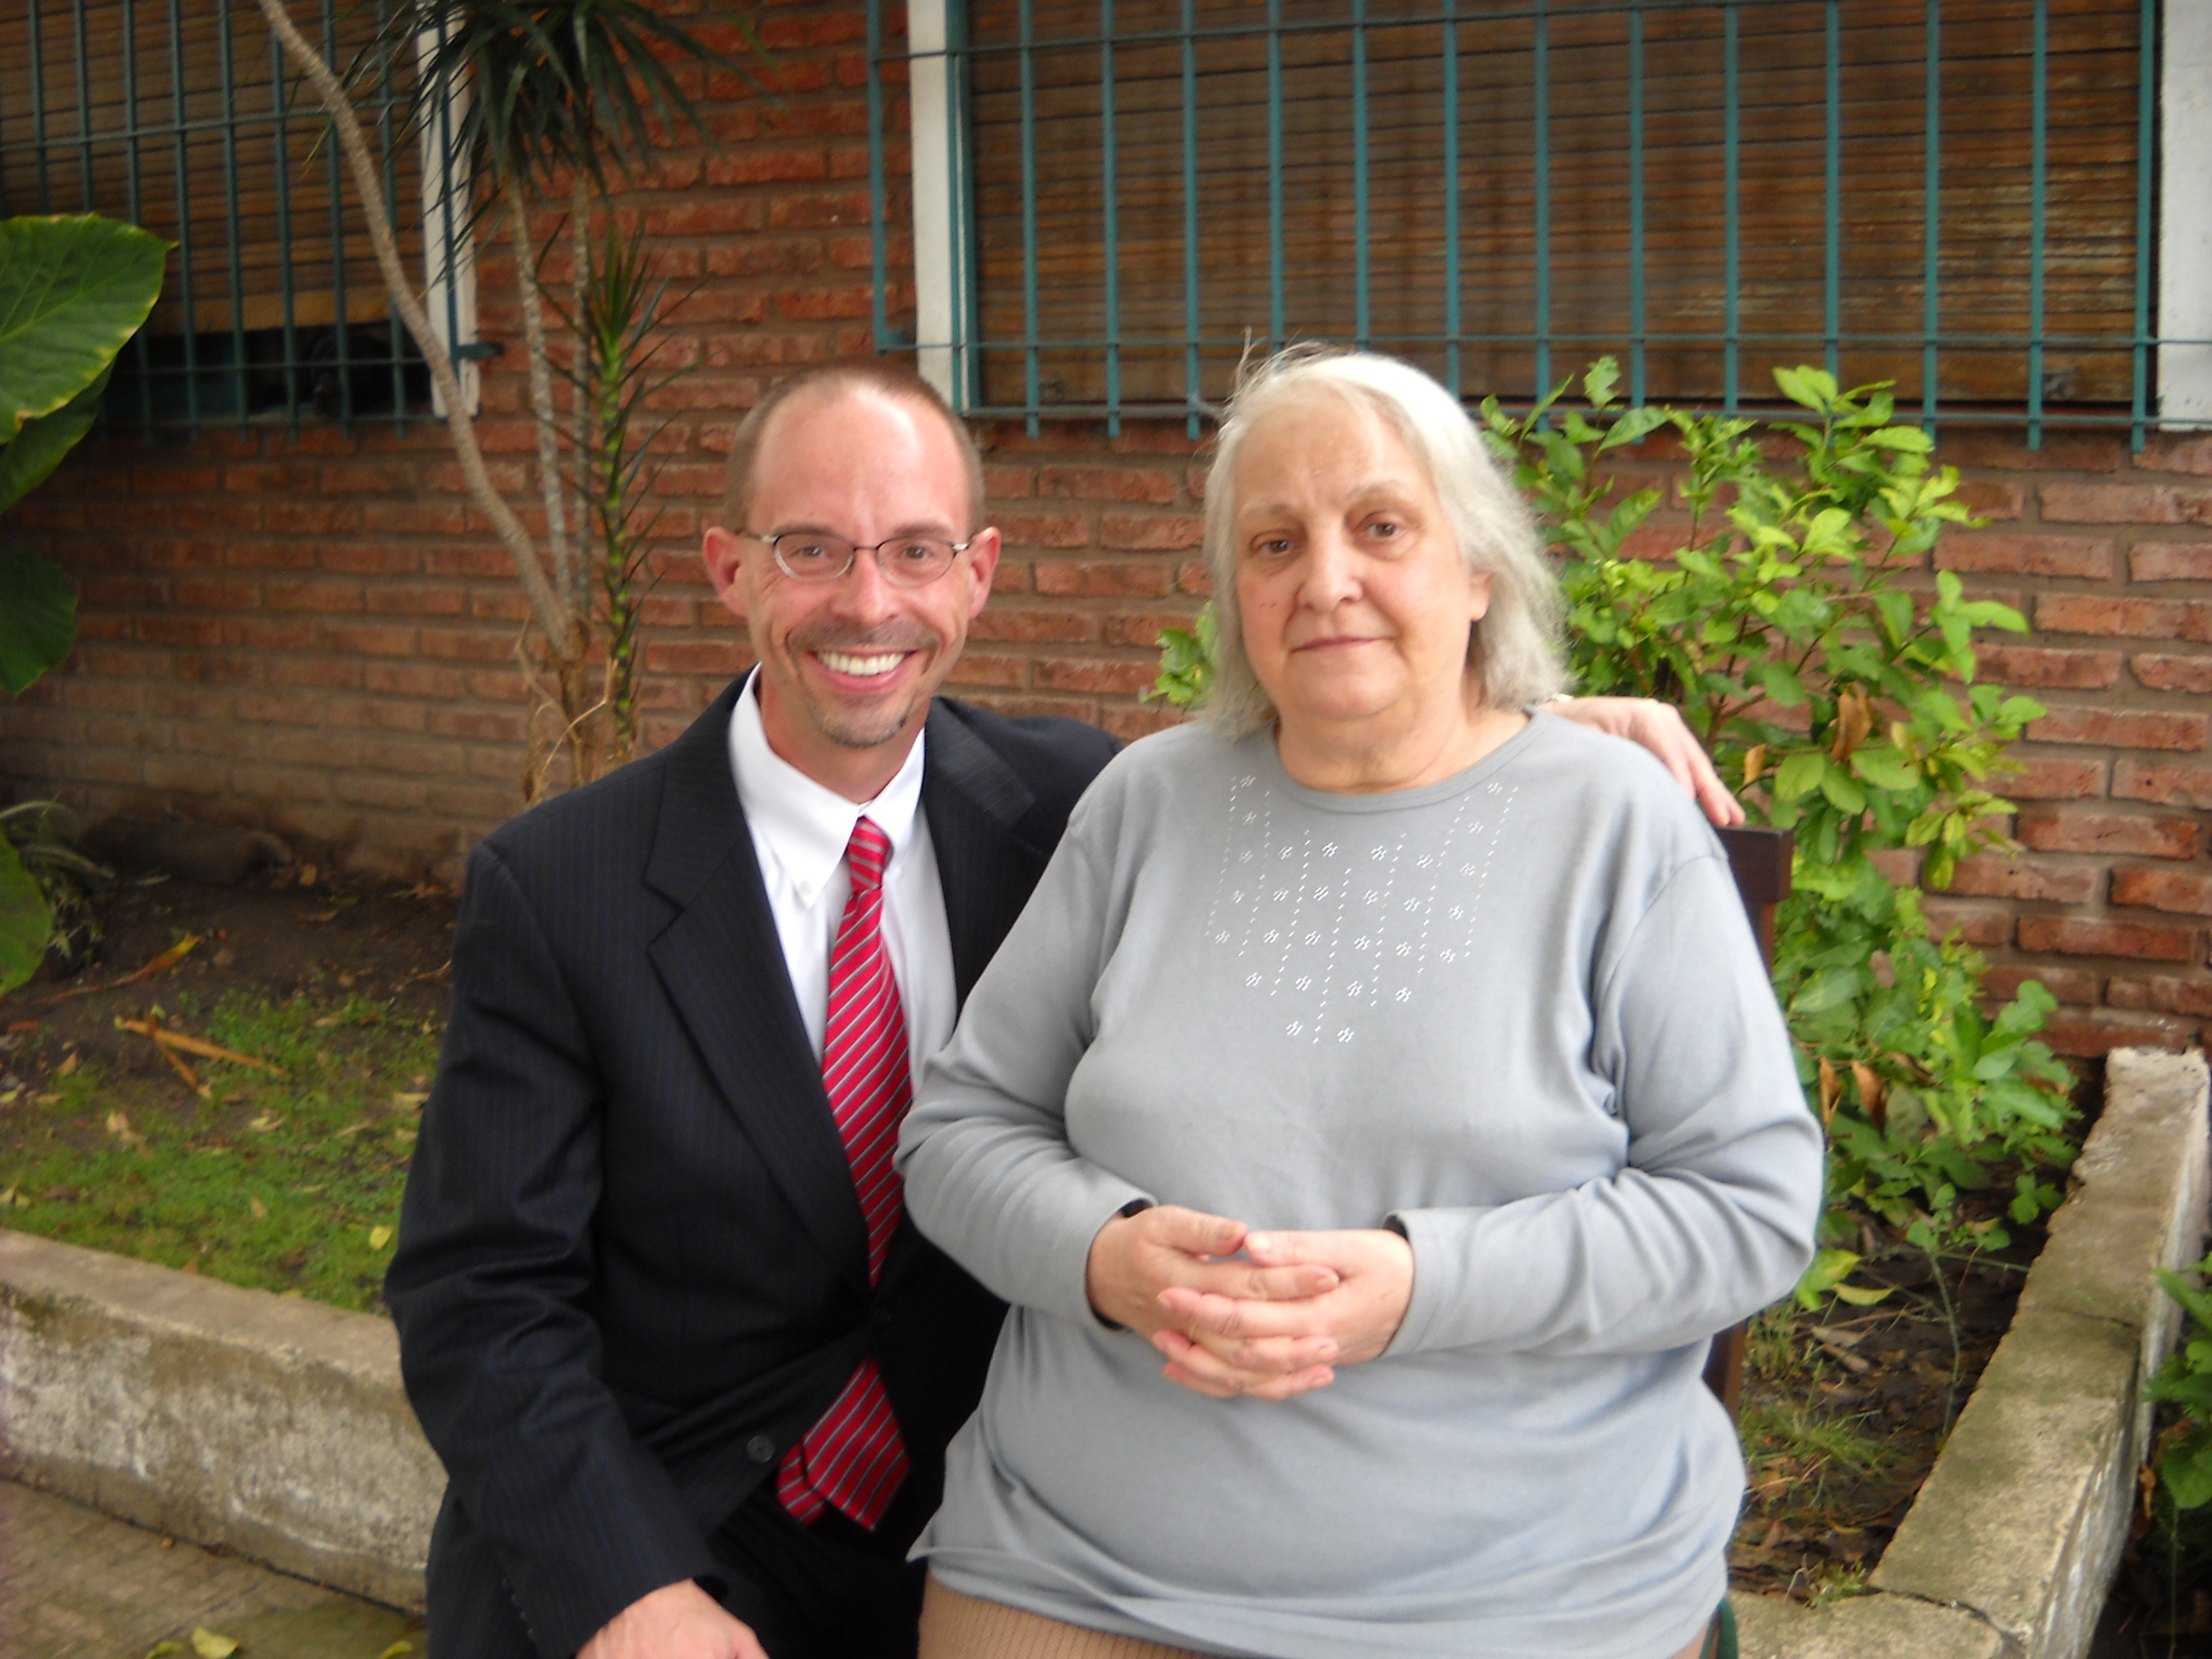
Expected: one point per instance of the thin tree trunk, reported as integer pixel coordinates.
(559, 623)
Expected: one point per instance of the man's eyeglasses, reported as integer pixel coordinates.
(810, 556)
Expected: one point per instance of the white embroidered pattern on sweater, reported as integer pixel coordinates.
(1334, 925)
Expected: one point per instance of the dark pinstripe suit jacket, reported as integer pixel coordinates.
(631, 1268)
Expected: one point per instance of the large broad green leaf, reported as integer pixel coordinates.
(37, 617)
(25, 923)
(1843, 794)
(1800, 774)
(72, 290)
(2186, 1467)
(1883, 767)
(1812, 388)
(41, 443)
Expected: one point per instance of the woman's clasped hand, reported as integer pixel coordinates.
(1273, 1325)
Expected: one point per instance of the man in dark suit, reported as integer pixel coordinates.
(689, 1370)
(634, 1273)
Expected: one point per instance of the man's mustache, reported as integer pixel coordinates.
(903, 636)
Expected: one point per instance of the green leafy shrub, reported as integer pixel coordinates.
(40, 833)
(2184, 1455)
(1842, 705)
(1186, 663)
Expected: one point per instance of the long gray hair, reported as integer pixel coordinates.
(1514, 650)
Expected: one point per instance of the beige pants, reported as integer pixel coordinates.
(957, 1626)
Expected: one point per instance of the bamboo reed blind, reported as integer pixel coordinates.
(1706, 190)
(175, 114)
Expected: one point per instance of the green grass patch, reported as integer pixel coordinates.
(1798, 1444)
(287, 1183)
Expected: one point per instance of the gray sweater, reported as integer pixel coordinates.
(1521, 1012)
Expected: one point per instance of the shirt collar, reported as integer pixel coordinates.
(805, 825)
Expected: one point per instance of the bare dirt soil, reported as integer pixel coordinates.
(1845, 1410)
(272, 935)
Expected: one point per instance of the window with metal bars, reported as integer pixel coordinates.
(1115, 199)
(179, 116)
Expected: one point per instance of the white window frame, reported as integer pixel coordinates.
(449, 251)
(2184, 231)
(940, 160)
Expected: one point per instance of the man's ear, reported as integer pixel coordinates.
(720, 549)
(983, 548)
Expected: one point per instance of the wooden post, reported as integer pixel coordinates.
(1760, 861)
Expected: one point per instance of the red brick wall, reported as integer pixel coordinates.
(2109, 555)
(317, 636)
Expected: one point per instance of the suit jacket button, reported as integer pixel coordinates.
(760, 1448)
(880, 1317)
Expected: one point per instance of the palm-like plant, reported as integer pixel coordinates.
(570, 93)
(564, 100)
(620, 298)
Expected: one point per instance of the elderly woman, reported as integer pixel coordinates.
(1444, 1021)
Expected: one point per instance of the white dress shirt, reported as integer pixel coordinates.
(799, 830)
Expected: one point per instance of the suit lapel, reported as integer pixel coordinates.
(721, 964)
(972, 801)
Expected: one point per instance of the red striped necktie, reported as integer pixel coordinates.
(852, 1458)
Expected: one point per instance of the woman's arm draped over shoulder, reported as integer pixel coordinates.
(1659, 727)
(1713, 1216)
(990, 1177)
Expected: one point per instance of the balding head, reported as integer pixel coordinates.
(815, 386)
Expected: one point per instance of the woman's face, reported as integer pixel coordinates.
(1355, 605)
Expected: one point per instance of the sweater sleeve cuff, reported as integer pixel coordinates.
(1103, 1197)
(1446, 1308)
(1134, 1207)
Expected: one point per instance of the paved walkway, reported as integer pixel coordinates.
(76, 1584)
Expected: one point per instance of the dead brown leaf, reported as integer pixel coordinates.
(1854, 720)
(1873, 1093)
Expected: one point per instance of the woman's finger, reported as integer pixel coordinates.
(1263, 1356)
(1272, 1356)
(1243, 1280)
(1285, 1250)
(1720, 806)
(1661, 729)
(1195, 1368)
(1237, 1318)
(1192, 1232)
(1280, 1387)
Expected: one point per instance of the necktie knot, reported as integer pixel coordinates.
(866, 854)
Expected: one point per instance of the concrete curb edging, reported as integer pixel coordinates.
(2009, 1549)
(271, 1425)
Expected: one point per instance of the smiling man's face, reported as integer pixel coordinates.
(848, 667)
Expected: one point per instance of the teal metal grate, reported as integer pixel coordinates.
(1958, 196)
(179, 115)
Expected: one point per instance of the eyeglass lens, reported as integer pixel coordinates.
(907, 560)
